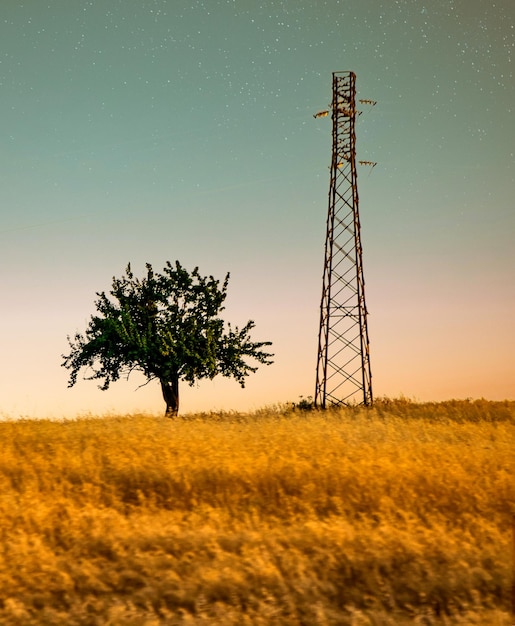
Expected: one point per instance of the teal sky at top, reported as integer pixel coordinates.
(156, 130)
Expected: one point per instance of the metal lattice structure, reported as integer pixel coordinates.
(343, 368)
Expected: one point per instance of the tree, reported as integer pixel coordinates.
(166, 326)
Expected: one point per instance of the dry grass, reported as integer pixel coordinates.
(400, 514)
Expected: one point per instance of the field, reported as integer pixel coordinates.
(393, 515)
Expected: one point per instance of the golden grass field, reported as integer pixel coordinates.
(393, 515)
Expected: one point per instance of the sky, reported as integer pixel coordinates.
(154, 130)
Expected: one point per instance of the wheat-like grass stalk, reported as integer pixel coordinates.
(398, 514)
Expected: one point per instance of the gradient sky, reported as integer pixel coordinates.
(156, 130)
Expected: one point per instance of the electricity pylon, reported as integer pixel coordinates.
(343, 368)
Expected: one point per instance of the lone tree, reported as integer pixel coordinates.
(166, 326)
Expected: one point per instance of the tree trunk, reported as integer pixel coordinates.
(171, 396)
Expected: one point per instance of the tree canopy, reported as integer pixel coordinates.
(166, 326)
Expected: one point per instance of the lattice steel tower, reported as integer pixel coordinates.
(343, 368)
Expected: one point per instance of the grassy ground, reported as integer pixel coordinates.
(400, 514)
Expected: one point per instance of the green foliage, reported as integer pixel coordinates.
(166, 326)
(305, 404)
